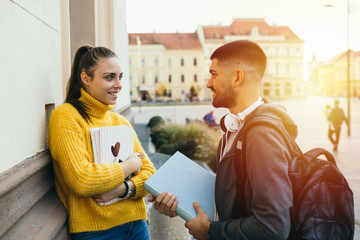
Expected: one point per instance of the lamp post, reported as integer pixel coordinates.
(138, 42)
(348, 64)
(348, 93)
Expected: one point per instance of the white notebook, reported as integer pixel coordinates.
(112, 144)
(188, 181)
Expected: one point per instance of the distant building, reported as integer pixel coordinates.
(175, 61)
(164, 66)
(284, 75)
(330, 78)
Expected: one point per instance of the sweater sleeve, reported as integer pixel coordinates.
(146, 171)
(67, 145)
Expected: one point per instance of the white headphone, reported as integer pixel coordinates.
(232, 122)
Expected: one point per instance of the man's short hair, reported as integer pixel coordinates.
(244, 52)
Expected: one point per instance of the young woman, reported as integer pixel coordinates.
(81, 184)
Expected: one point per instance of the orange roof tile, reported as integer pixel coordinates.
(169, 40)
(243, 26)
(215, 32)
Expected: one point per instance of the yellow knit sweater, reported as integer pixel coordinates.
(78, 178)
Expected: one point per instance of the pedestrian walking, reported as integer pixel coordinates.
(336, 118)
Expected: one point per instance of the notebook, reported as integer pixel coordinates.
(188, 181)
(112, 144)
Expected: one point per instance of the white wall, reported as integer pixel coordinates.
(121, 46)
(30, 76)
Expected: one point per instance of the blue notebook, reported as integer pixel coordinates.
(188, 181)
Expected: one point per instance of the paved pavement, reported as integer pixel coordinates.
(312, 126)
(161, 227)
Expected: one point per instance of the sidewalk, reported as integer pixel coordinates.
(161, 227)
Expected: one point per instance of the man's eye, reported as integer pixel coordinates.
(120, 76)
(109, 77)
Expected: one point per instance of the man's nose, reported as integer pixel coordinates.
(209, 83)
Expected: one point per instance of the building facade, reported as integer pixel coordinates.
(164, 66)
(284, 76)
(330, 78)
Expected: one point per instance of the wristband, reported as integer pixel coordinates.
(128, 191)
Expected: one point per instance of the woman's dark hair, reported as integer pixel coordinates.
(86, 60)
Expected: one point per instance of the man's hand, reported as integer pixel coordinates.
(165, 204)
(199, 226)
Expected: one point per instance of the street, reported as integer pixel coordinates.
(308, 114)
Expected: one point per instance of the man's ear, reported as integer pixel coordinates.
(85, 78)
(239, 77)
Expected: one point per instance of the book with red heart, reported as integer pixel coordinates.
(189, 182)
(112, 144)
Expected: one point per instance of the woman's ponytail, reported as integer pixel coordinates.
(86, 60)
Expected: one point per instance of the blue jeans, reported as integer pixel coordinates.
(137, 230)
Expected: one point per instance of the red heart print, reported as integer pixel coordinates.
(115, 150)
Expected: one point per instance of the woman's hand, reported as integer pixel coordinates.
(136, 162)
(109, 195)
(165, 204)
(132, 165)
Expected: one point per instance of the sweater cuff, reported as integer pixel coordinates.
(215, 231)
(139, 189)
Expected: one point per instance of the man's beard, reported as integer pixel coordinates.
(225, 99)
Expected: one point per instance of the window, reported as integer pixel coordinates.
(156, 78)
(143, 62)
(169, 62)
(182, 78)
(195, 78)
(277, 68)
(129, 62)
(156, 62)
(170, 78)
(195, 62)
(182, 62)
(143, 79)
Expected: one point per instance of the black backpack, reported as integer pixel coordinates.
(323, 207)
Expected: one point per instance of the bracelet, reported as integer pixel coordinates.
(127, 190)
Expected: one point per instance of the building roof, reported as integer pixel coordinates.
(169, 40)
(244, 26)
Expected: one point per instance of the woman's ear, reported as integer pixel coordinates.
(85, 78)
(239, 77)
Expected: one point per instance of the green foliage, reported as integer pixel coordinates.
(155, 121)
(195, 140)
(160, 142)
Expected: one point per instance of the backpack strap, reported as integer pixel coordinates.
(316, 152)
(267, 121)
(240, 154)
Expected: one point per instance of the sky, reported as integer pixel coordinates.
(323, 28)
